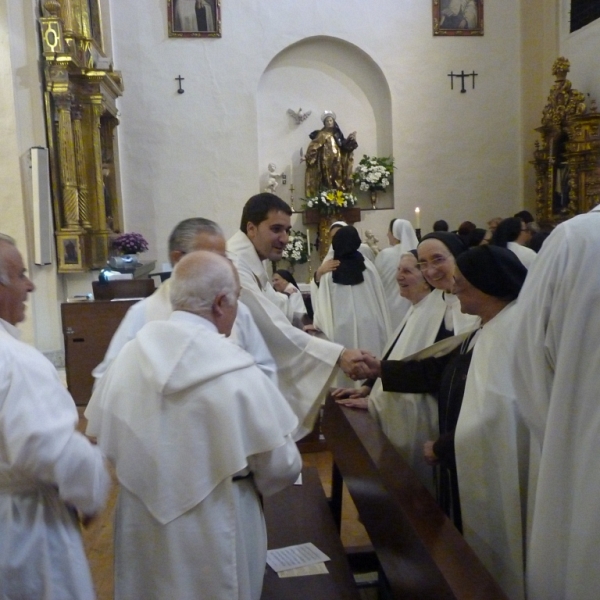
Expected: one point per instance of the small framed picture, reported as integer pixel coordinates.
(194, 18)
(458, 17)
(71, 255)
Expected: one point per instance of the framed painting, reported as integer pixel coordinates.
(69, 253)
(458, 17)
(194, 18)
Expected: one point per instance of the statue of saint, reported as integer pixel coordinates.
(329, 158)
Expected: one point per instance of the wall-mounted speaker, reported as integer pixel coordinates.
(42, 207)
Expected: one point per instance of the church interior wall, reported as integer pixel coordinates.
(200, 152)
(582, 48)
(539, 43)
(21, 128)
(203, 152)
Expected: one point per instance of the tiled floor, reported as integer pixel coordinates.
(98, 535)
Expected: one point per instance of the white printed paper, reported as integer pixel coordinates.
(293, 557)
(318, 569)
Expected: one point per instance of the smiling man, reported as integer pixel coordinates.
(48, 471)
(306, 365)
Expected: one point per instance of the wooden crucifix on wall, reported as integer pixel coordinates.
(462, 75)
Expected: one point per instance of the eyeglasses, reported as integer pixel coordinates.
(436, 262)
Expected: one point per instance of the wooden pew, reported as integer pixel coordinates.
(301, 514)
(420, 551)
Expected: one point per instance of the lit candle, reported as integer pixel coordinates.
(308, 240)
(417, 218)
(292, 173)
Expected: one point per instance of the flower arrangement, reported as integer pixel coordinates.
(296, 250)
(130, 243)
(331, 201)
(374, 174)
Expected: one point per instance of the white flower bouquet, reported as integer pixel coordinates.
(374, 174)
(296, 250)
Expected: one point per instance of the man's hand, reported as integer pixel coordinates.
(429, 455)
(326, 267)
(365, 367)
(348, 361)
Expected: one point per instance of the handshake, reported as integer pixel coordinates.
(359, 364)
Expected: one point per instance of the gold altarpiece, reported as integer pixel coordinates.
(80, 95)
(567, 158)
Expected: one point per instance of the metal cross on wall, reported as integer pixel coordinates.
(461, 76)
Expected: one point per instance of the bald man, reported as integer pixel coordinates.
(196, 432)
(187, 236)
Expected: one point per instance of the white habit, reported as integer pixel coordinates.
(409, 420)
(305, 364)
(557, 378)
(183, 413)
(157, 307)
(44, 464)
(492, 458)
(387, 265)
(355, 316)
(526, 255)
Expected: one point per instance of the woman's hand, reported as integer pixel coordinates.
(326, 267)
(429, 455)
(311, 329)
(341, 393)
(361, 403)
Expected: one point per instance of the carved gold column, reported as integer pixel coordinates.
(68, 171)
(99, 210)
(68, 18)
(83, 12)
(81, 168)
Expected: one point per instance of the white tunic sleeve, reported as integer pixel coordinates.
(275, 470)
(38, 441)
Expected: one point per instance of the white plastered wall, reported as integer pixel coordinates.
(21, 128)
(458, 155)
(582, 48)
(204, 152)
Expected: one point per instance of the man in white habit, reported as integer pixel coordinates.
(197, 432)
(556, 370)
(48, 471)
(187, 236)
(306, 365)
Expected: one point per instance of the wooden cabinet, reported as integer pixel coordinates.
(88, 328)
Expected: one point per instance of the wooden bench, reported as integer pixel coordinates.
(301, 514)
(421, 553)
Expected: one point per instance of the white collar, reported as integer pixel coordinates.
(10, 329)
(182, 316)
(240, 244)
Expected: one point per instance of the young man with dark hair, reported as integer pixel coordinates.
(306, 365)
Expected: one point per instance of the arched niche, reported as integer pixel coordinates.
(316, 74)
